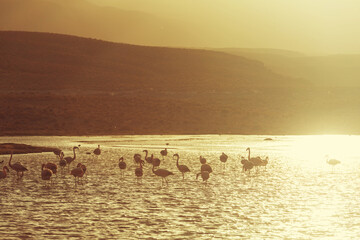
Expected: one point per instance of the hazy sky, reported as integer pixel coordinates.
(321, 26)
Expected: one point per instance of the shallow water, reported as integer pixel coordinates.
(298, 195)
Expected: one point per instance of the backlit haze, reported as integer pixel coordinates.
(315, 27)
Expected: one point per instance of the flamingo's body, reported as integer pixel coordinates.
(206, 168)
(155, 161)
(182, 168)
(137, 158)
(204, 175)
(139, 171)
(333, 162)
(122, 165)
(163, 173)
(223, 157)
(97, 151)
(78, 172)
(147, 159)
(164, 153)
(265, 162)
(18, 167)
(52, 167)
(3, 172)
(46, 173)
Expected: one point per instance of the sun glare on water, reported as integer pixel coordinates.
(316, 148)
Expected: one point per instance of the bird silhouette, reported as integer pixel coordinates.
(69, 160)
(77, 172)
(62, 162)
(147, 159)
(122, 166)
(164, 153)
(204, 175)
(3, 172)
(223, 158)
(163, 173)
(45, 173)
(155, 161)
(256, 161)
(182, 168)
(206, 168)
(265, 162)
(52, 167)
(137, 158)
(332, 162)
(18, 167)
(97, 151)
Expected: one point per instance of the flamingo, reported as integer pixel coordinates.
(204, 175)
(52, 167)
(265, 162)
(247, 165)
(122, 166)
(223, 158)
(155, 161)
(206, 168)
(18, 167)
(62, 161)
(333, 162)
(147, 159)
(139, 171)
(77, 172)
(46, 173)
(256, 161)
(164, 153)
(97, 151)
(163, 173)
(137, 158)
(182, 168)
(69, 160)
(3, 173)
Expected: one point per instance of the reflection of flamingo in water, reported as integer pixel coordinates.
(163, 173)
(122, 166)
(182, 168)
(18, 167)
(3, 172)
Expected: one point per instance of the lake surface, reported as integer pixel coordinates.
(298, 195)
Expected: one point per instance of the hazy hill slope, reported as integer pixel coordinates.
(82, 18)
(43, 61)
(325, 71)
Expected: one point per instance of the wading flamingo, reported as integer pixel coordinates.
(182, 168)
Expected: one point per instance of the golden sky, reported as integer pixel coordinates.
(310, 26)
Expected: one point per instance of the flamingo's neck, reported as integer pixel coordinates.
(177, 161)
(10, 160)
(249, 153)
(74, 153)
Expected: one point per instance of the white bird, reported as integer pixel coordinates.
(333, 162)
